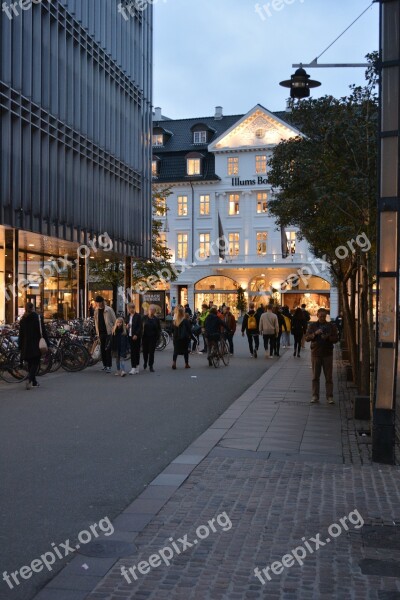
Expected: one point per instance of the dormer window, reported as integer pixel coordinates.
(155, 166)
(158, 139)
(193, 164)
(199, 137)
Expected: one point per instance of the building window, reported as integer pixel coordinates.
(233, 204)
(182, 206)
(200, 137)
(262, 204)
(234, 244)
(262, 243)
(204, 205)
(233, 165)
(182, 246)
(260, 133)
(160, 208)
(154, 168)
(162, 238)
(193, 166)
(261, 164)
(291, 242)
(158, 139)
(204, 245)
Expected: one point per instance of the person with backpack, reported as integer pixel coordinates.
(250, 326)
(182, 332)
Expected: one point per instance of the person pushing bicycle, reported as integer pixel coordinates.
(213, 326)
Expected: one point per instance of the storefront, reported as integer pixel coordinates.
(217, 289)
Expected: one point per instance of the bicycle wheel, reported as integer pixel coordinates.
(56, 359)
(45, 363)
(223, 349)
(74, 358)
(167, 337)
(215, 358)
(10, 369)
(161, 344)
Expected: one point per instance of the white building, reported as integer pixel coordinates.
(218, 169)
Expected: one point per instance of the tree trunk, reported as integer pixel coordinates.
(350, 329)
(364, 379)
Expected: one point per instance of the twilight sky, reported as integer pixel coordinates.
(221, 52)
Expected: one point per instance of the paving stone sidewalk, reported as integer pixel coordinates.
(279, 471)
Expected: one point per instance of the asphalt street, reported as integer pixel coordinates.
(83, 446)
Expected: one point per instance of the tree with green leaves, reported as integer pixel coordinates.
(325, 184)
(109, 273)
(241, 300)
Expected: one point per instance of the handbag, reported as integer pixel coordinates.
(42, 342)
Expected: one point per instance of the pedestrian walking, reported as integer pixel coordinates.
(299, 327)
(104, 321)
(230, 322)
(134, 326)
(91, 310)
(150, 335)
(323, 336)
(269, 329)
(205, 311)
(288, 323)
(282, 327)
(182, 332)
(339, 324)
(120, 345)
(250, 327)
(31, 330)
(307, 318)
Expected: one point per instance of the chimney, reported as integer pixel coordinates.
(289, 105)
(157, 114)
(218, 113)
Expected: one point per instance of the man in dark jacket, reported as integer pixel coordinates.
(230, 322)
(151, 334)
(134, 324)
(323, 336)
(250, 326)
(31, 329)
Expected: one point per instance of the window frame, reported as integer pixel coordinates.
(234, 243)
(202, 204)
(157, 135)
(261, 242)
(261, 201)
(263, 160)
(182, 244)
(233, 161)
(182, 206)
(202, 134)
(205, 244)
(193, 160)
(234, 202)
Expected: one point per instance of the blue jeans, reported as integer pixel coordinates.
(120, 363)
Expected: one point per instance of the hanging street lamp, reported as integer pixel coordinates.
(300, 84)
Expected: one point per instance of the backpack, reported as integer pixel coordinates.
(251, 321)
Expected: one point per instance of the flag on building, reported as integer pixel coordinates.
(284, 243)
(222, 240)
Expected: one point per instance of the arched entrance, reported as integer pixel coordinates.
(217, 289)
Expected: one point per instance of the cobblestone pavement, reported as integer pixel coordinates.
(283, 472)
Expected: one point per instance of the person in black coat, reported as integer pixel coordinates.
(213, 326)
(150, 337)
(299, 327)
(182, 332)
(30, 328)
(134, 325)
(120, 345)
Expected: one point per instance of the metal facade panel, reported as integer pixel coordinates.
(75, 122)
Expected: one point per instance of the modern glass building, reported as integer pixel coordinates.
(75, 147)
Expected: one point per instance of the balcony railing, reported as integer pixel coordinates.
(265, 259)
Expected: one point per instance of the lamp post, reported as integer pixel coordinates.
(300, 84)
(384, 427)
